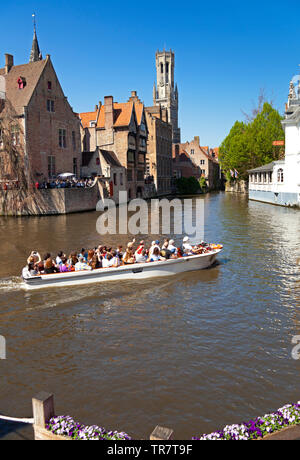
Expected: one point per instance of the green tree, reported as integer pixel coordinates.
(187, 186)
(249, 145)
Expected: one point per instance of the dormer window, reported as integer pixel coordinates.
(92, 124)
(21, 82)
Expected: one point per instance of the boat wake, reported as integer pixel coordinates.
(10, 284)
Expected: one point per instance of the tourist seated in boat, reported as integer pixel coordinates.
(155, 256)
(172, 248)
(128, 257)
(154, 244)
(30, 270)
(188, 249)
(115, 259)
(141, 257)
(63, 266)
(82, 265)
(111, 260)
(83, 253)
(120, 252)
(59, 257)
(49, 267)
(34, 257)
(72, 259)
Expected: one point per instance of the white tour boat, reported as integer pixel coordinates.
(124, 272)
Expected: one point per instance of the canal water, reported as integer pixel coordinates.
(193, 352)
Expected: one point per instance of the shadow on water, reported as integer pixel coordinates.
(21, 431)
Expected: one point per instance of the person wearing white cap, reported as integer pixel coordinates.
(172, 248)
(187, 248)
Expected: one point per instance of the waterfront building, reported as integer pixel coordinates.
(159, 166)
(183, 165)
(202, 162)
(105, 165)
(119, 128)
(165, 92)
(279, 181)
(39, 132)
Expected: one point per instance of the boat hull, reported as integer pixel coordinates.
(127, 272)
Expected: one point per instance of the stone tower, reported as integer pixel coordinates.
(165, 92)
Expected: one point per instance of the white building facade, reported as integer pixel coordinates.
(279, 181)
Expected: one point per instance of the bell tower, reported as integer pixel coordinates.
(165, 92)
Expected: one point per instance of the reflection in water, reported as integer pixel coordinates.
(192, 352)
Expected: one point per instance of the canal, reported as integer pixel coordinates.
(194, 352)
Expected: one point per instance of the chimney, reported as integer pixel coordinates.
(197, 140)
(109, 111)
(133, 93)
(9, 62)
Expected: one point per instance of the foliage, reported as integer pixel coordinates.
(203, 184)
(66, 426)
(249, 145)
(187, 186)
(284, 417)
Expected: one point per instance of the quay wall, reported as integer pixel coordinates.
(49, 201)
(237, 187)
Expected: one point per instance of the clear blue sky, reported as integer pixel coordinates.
(225, 53)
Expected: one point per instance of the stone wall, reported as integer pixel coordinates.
(49, 201)
(237, 187)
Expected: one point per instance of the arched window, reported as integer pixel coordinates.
(161, 68)
(280, 176)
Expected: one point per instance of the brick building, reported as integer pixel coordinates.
(105, 165)
(39, 132)
(183, 165)
(120, 128)
(202, 158)
(159, 149)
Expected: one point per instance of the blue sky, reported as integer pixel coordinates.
(225, 53)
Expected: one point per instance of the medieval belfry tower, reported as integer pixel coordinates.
(165, 92)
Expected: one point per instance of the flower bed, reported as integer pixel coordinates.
(66, 426)
(258, 428)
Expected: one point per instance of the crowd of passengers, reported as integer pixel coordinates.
(106, 257)
(65, 183)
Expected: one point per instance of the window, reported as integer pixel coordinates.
(92, 124)
(161, 68)
(129, 175)
(1, 139)
(121, 178)
(115, 179)
(62, 138)
(51, 166)
(49, 85)
(202, 162)
(130, 157)
(192, 152)
(75, 166)
(15, 135)
(97, 161)
(50, 105)
(140, 175)
(143, 129)
(280, 176)
(141, 158)
(142, 142)
(74, 140)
